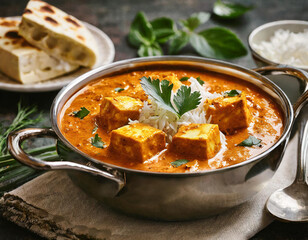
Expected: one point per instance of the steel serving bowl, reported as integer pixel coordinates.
(166, 196)
(266, 31)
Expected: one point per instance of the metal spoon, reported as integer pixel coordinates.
(291, 203)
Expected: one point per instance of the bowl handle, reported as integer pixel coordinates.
(14, 146)
(298, 73)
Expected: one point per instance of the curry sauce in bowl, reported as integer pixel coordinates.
(123, 123)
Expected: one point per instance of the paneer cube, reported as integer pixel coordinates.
(137, 142)
(197, 140)
(115, 111)
(230, 113)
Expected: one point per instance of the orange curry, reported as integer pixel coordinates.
(265, 123)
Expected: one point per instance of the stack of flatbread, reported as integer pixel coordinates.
(46, 43)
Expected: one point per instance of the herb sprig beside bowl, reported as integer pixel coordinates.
(22, 119)
(13, 173)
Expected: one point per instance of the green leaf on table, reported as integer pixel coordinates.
(178, 41)
(150, 50)
(164, 28)
(185, 100)
(141, 31)
(96, 141)
(195, 20)
(183, 79)
(83, 112)
(179, 162)
(250, 141)
(118, 89)
(228, 10)
(201, 82)
(160, 91)
(218, 42)
(232, 93)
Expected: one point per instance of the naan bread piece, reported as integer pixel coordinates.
(57, 33)
(23, 62)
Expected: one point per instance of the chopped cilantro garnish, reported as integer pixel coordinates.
(96, 141)
(201, 82)
(94, 129)
(183, 79)
(83, 112)
(119, 89)
(232, 93)
(161, 92)
(250, 141)
(179, 162)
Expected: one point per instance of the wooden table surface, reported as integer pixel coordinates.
(114, 18)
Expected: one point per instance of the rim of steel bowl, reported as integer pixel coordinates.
(86, 78)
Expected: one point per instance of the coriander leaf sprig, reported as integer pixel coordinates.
(250, 141)
(82, 113)
(96, 141)
(160, 91)
(232, 93)
(179, 162)
(184, 100)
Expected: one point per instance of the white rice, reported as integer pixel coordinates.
(285, 47)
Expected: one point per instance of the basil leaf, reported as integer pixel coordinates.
(164, 28)
(118, 89)
(218, 42)
(201, 46)
(96, 141)
(141, 31)
(195, 20)
(233, 93)
(183, 79)
(179, 162)
(185, 101)
(250, 141)
(150, 50)
(179, 41)
(228, 10)
(83, 112)
(201, 82)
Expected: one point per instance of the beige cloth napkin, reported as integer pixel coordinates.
(52, 206)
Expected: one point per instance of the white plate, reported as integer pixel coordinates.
(106, 55)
